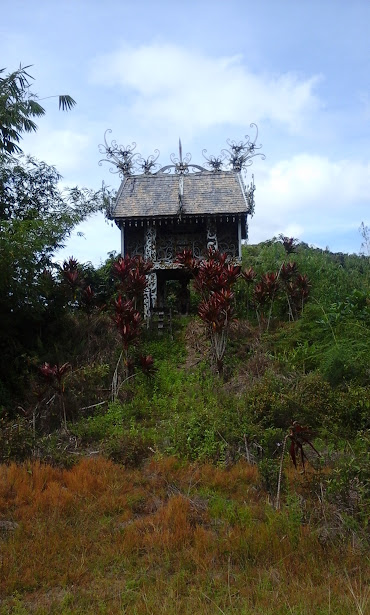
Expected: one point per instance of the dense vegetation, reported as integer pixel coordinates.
(148, 473)
(313, 369)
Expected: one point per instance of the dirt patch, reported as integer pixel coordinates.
(197, 344)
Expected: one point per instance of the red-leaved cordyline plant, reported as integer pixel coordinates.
(289, 244)
(295, 286)
(213, 279)
(299, 436)
(265, 291)
(127, 320)
(300, 290)
(215, 273)
(186, 259)
(55, 375)
(71, 275)
(217, 313)
(249, 275)
(131, 273)
(88, 300)
(287, 273)
(147, 365)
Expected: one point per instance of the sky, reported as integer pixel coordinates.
(204, 71)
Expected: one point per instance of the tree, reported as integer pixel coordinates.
(18, 107)
(365, 234)
(36, 217)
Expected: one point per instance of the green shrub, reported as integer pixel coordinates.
(128, 448)
(269, 476)
(87, 386)
(111, 420)
(271, 440)
(57, 449)
(16, 440)
(269, 402)
(347, 360)
(196, 436)
(353, 412)
(349, 484)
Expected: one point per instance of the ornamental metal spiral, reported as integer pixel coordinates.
(180, 165)
(215, 163)
(148, 165)
(126, 161)
(236, 157)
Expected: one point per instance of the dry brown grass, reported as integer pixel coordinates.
(170, 538)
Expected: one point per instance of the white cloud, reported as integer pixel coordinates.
(310, 194)
(99, 238)
(172, 85)
(364, 98)
(64, 149)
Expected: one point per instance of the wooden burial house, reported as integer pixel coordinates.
(161, 212)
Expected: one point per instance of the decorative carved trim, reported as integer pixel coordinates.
(150, 243)
(212, 234)
(150, 294)
(134, 244)
(168, 246)
(228, 242)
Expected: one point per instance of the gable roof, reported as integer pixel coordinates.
(206, 193)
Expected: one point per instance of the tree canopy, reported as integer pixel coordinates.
(36, 217)
(18, 107)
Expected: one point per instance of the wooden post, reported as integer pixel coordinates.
(122, 240)
(240, 238)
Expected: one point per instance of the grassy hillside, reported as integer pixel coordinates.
(165, 500)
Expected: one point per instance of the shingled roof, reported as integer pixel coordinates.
(205, 193)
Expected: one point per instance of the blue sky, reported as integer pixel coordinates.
(154, 71)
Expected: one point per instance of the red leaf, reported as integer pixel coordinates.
(292, 454)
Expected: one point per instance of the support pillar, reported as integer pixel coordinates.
(240, 239)
(161, 291)
(122, 240)
(150, 293)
